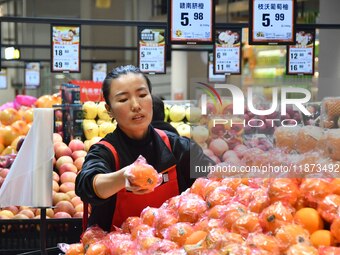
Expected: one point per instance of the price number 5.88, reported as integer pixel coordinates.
(185, 17)
(266, 18)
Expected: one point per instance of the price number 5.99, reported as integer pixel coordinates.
(266, 18)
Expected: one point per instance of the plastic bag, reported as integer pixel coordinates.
(141, 176)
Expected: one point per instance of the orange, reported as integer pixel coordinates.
(284, 190)
(264, 242)
(274, 216)
(165, 218)
(209, 187)
(219, 196)
(329, 207)
(75, 249)
(130, 223)
(335, 183)
(191, 208)
(97, 249)
(198, 186)
(233, 183)
(291, 234)
(302, 249)
(335, 228)
(218, 212)
(259, 201)
(144, 176)
(92, 235)
(322, 238)
(142, 230)
(196, 237)
(233, 212)
(309, 218)
(314, 190)
(247, 223)
(179, 232)
(148, 215)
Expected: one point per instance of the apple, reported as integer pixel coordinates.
(177, 113)
(67, 167)
(184, 130)
(102, 112)
(76, 201)
(12, 208)
(166, 112)
(29, 213)
(57, 138)
(58, 115)
(79, 154)
(90, 110)
(200, 134)
(67, 186)
(71, 194)
(193, 114)
(76, 145)
(62, 215)
(106, 128)
(64, 206)
(28, 115)
(55, 186)
(79, 163)
(68, 177)
(49, 212)
(90, 130)
(62, 160)
(62, 151)
(60, 196)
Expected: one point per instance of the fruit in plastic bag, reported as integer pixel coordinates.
(75, 249)
(143, 175)
(335, 228)
(291, 234)
(329, 207)
(92, 235)
(178, 232)
(263, 242)
(297, 249)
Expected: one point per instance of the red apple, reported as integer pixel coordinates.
(64, 206)
(68, 177)
(67, 186)
(62, 160)
(60, 196)
(57, 138)
(67, 167)
(79, 163)
(61, 215)
(55, 186)
(55, 176)
(78, 154)
(63, 151)
(78, 215)
(76, 201)
(71, 193)
(76, 145)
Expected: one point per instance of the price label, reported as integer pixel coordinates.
(3, 79)
(211, 76)
(191, 21)
(65, 49)
(99, 71)
(227, 52)
(300, 57)
(32, 75)
(151, 50)
(272, 21)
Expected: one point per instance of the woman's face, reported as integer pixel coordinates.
(131, 104)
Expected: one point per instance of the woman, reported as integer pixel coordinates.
(102, 183)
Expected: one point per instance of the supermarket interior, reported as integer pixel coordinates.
(249, 98)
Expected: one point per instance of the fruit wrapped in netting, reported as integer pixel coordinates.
(241, 215)
(142, 176)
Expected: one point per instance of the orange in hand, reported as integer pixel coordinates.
(144, 176)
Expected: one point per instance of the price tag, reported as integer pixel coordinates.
(211, 76)
(65, 48)
(300, 57)
(32, 75)
(99, 71)
(3, 79)
(191, 21)
(151, 50)
(227, 51)
(272, 21)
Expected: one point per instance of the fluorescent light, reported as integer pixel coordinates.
(12, 53)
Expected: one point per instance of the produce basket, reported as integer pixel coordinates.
(20, 236)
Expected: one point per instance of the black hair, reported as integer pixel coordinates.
(158, 108)
(117, 72)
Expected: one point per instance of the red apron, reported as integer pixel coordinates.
(129, 204)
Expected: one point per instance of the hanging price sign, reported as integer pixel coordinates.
(151, 50)
(272, 21)
(65, 48)
(32, 75)
(191, 21)
(227, 51)
(300, 57)
(211, 76)
(99, 71)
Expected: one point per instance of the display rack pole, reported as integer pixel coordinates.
(43, 231)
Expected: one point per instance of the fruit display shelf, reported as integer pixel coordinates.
(23, 236)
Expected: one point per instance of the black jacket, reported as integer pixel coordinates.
(185, 154)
